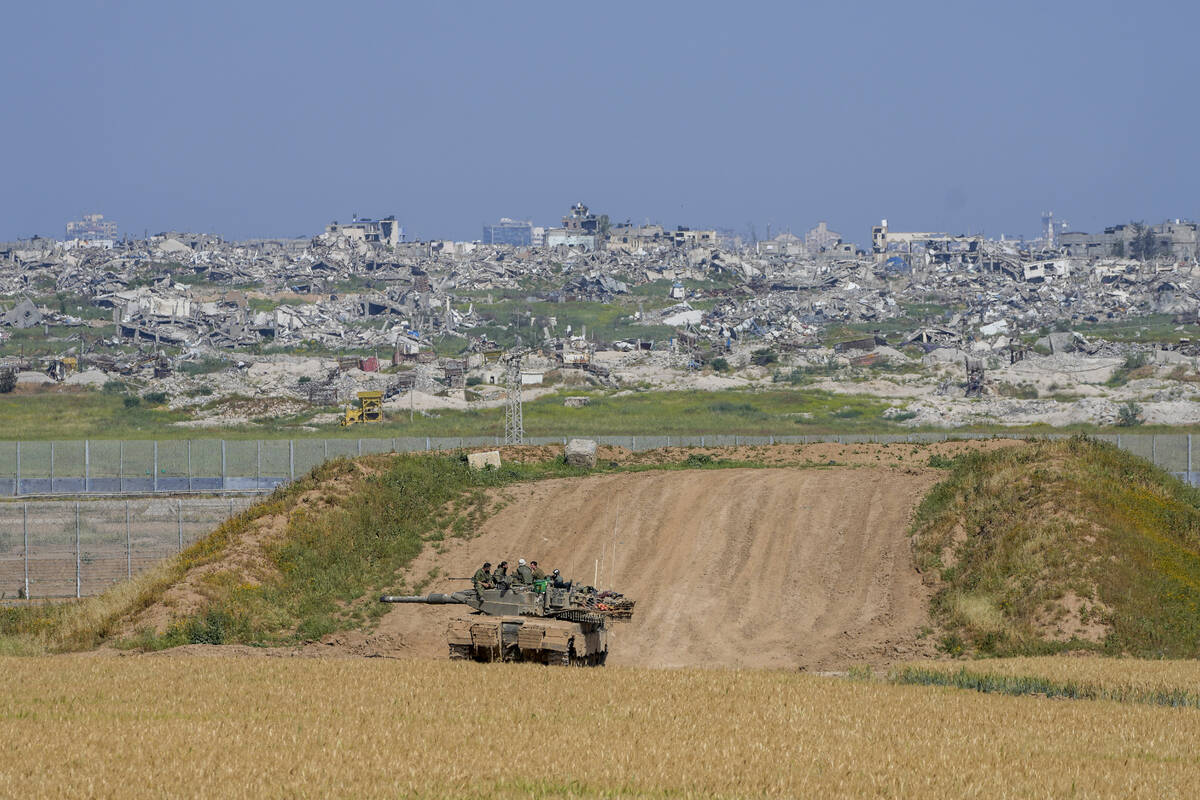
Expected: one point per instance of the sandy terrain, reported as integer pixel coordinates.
(806, 568)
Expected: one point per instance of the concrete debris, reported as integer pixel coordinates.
(486, 460)
(204, 320)
(581, 453)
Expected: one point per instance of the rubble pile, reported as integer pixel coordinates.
(274, 315)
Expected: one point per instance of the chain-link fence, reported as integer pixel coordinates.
(76, 549)
(215, 466)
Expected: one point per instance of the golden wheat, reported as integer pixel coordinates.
(168, 726)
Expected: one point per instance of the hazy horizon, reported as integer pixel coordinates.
(274, 119)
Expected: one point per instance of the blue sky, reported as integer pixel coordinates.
(272, 119)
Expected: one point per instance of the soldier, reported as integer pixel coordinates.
(524, 575)
(538, 574)
(482, 579)
(556, 579)
(500, 576)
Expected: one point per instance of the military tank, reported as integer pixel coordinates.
(550, 623)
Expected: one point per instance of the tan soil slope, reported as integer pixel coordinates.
(806, 568)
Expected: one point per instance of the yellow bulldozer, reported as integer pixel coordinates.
(369, 409)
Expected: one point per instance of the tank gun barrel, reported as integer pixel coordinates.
(435, 599)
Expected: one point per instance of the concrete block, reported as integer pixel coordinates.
(491, 458)
(581, 453)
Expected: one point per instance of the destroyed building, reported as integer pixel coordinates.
(509, 231)
(373, 231)
(92, 227)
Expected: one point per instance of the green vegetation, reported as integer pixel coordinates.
(1134, 367)
(1023, 391)
(982, 681)
(82, 414)
(1149, 328)
(1129, 415)
(63, 414)
(344, 544)
(1062, 545)
(1144, 245)
(333, 561)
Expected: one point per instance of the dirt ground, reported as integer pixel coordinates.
(804, 565)
(786, 568)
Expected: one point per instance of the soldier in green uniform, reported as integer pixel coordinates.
(538, 574)
(500, 575)
(524, 575)
(482, 579)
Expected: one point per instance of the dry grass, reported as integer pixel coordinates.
(158, 725)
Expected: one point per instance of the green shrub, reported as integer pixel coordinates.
(1129, 415)
(131, 401)
(763, 358)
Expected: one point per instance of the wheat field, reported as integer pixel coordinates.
(188, 725)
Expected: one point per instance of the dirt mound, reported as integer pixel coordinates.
(243, 558)
(789, 568)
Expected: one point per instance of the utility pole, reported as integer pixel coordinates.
(514, 423)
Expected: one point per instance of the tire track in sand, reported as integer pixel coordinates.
(788, 568)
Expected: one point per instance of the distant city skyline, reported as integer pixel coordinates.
(220, 118)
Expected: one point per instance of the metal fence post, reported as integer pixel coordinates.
(360, 447)
(1153, 449)
(121, 466)
(52, 467)
(258, 465)
(292, 459)
(128, 545)
(427, 444)
(87, 465)
(155, 482)
(1189, 478)
(326, 443)
(78, 561)
(17, 482)
(223, 465)
(25, 535)
(189, 451)
(179, 511)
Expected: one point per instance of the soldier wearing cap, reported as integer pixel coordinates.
(524, 575)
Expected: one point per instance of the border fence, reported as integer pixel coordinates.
(76, 548)
(54, 549)
(220, 466)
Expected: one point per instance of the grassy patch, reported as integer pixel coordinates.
(989, 682)
(61, 413)
(1062, 545)
(1148, 328)
(59, 627)
(331, 562)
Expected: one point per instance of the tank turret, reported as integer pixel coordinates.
(559, 623)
